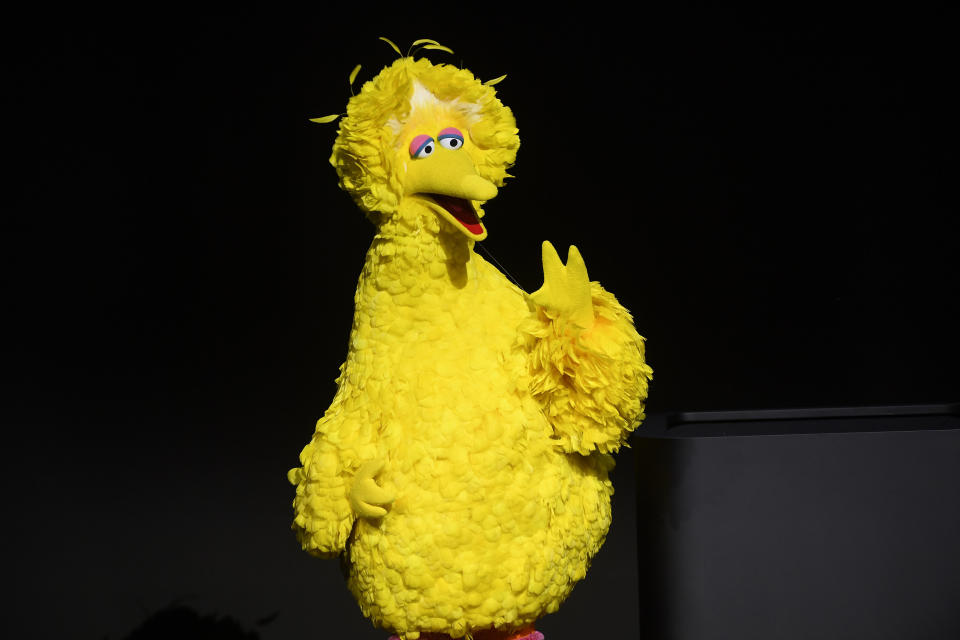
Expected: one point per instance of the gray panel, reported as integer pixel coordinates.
(842, 535)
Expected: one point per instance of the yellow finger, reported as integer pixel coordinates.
(370, 511)
(372, 493)
(552, 266)
(371, 468)
(576, 267)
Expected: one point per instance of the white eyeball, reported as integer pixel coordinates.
(450, 138)
(451, 143)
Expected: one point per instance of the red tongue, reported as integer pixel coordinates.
(462, 210)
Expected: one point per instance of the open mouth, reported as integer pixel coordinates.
(460, 210)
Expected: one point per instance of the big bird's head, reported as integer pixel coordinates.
(423, 139)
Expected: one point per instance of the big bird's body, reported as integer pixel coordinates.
(462, 467)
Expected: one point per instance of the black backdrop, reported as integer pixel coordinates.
(773, 196)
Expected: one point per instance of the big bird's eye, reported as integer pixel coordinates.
(450, 138)
(421, 146)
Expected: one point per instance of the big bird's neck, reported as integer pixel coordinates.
(422, 282)
(413, 254)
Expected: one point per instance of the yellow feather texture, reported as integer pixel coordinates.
(592, 383)
(496, 80)
(325, 119)
(486, 420)
(392, 45)
(353, 74)
(438, 47)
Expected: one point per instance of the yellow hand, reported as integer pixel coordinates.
(366, 495)
(566, 288)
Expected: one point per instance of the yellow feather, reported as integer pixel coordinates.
(490, 83)
(392, 46)
(325, 119)
(439, 47)
(353, 74)
(424, 40)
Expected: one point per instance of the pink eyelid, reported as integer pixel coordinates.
(418, 143)
(450, 131)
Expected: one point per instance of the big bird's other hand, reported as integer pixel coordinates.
(566, 288)
(367, 498)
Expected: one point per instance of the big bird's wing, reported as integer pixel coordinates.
(586, 359)
(336, 483)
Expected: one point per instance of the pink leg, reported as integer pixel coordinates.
(533, 635)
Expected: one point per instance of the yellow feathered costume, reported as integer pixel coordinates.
(462, 467)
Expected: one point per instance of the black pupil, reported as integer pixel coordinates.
(454, 142)
(428, 149)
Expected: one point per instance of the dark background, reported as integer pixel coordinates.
(774, 197)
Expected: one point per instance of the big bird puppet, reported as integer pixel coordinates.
(462, 467)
